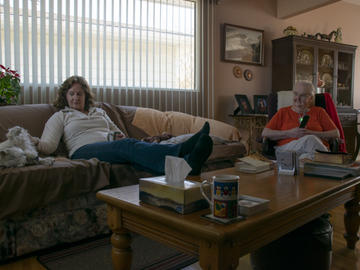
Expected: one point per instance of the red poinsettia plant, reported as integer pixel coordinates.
(9, 85)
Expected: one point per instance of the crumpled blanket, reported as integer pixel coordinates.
(157, 138)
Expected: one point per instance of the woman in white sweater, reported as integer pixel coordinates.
(85, 130)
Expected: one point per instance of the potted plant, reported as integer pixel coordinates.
(9, 86)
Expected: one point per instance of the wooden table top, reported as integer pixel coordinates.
(294, 200)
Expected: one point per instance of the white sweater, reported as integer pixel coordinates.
(77, 128)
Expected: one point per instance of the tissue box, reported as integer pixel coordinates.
(182, 199)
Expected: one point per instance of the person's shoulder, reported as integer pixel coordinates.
(284, 109)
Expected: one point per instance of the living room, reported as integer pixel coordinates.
(272, 17)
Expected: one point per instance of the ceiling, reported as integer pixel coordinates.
(287, 9)
(356, 2)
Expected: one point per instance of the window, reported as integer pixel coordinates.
(117, 44)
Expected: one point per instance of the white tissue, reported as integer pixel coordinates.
(176, 169)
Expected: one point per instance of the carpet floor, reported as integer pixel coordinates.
(96, 254)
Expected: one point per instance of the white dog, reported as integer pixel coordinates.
(18, 150)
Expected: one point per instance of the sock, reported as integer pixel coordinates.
(200, 154)
(187, 146)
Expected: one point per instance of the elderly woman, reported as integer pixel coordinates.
(85, 131)
(284, 126)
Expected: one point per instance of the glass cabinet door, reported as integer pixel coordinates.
(325, 79)
(304, 69)
(344, 79)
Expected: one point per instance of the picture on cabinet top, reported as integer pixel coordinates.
(243, 45)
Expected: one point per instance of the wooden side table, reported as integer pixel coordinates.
(252, 124)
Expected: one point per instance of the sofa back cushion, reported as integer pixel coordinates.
(31, 117)
(155, 123)
(127, 114)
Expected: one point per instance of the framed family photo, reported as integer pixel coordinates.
(243, 45)
(260, 104)
(244, 104)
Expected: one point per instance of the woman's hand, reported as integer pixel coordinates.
(34, 140)
(118, 136)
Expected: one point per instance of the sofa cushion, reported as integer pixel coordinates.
(36, 186)
(127, 114)
(155, 122)
(31, 117)
(115, 113)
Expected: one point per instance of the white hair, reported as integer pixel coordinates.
(305, 85)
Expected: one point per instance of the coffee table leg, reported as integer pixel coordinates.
(121, 252)
(217, 257)
(352, 220)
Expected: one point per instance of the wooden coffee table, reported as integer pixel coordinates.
(294, 201)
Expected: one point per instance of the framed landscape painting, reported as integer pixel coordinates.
(243, 45)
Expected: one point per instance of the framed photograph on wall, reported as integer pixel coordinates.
(244, 104)
(243, 45)
(260, 104)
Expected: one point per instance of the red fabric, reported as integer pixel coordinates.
(286, 119)
(332, 112)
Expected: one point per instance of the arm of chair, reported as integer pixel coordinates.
(334, 144)
(268, 149)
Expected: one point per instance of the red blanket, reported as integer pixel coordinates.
(331, 110)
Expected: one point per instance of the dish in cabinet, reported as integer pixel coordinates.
(326, 61)
(327, 78)
(304, 77)
(304, 57)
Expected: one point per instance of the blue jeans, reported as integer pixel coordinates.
(150, 156)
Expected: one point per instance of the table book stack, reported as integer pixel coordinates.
(332, 157)
(251, 165)
(332, 170)
(184, 198)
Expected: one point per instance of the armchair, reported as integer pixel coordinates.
(323, 100)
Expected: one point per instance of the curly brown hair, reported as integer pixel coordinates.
(61, 100)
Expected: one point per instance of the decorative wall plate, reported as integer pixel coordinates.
(237, 71)
(248, 75)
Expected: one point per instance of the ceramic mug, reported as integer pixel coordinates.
(224, 195)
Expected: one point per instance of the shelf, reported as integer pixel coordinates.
(305, 65)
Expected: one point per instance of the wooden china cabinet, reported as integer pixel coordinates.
(329, 66)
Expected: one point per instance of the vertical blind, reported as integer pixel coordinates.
(150, 53)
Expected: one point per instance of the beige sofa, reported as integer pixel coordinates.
(43, 206)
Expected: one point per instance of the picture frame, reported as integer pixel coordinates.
(243, 45)
(260, 104)
(244, 104)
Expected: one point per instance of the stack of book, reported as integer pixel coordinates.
(251, 165)
(332, 157)
(184, 198)
(332, 170)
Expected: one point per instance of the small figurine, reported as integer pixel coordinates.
(290, 31)
(311, 36)
(338, 35)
